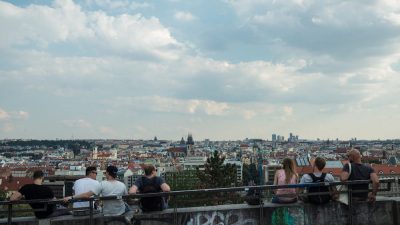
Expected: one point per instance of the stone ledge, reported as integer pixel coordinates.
(384, 211)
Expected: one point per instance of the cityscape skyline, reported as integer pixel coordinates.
(225, 70)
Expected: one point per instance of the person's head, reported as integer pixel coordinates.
(288, 163)
(91, 172)
(112, 171)
(38, 174)
(320, 163)
(149, 169)
(354, 155)
(289, 167)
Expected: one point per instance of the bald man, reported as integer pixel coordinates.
(360, 171)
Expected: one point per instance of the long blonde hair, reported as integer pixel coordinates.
(289, 168)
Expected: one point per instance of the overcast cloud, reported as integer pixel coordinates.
(228, 70)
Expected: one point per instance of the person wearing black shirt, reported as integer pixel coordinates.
(360, 171)
(151, 178)
(38, 191)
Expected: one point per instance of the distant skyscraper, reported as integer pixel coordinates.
(273, 137)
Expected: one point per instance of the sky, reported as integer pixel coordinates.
(218, 69)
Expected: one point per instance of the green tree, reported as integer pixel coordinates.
(250, 174)
(3, 194)
(216, 174)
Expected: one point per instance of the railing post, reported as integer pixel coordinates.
(350, 197)
(91, 211)
(9, 220)
(261, 206)
(175, 210)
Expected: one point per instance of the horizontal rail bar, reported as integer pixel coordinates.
(200, 191)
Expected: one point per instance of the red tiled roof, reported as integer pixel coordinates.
(15, 183)
(177, 149)
(385, 169)
(304, 169)
(301, 170)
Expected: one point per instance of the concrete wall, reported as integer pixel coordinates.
(385, 211)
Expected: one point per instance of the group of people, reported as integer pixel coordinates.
(353, 170)
(149, 183)
(88, 186)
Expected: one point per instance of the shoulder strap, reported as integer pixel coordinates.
(317, 179)
(313, 177)
(349, 169)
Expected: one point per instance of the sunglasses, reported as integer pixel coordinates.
(94, 172)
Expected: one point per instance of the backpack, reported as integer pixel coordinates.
(254, 197)
(318, 199)
(149, 204)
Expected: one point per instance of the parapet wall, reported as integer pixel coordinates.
(384, 211)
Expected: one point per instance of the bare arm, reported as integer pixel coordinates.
(165, 187)
(375, 185)
(344, 176)
(275, 180)
(16, 195)
(83, 195)
(133, 189)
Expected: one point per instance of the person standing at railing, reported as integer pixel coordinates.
(286, 175)
(360, 171)
(151, 183)
(109, 187)
(319, 176)
(83, 185)
(38, 191)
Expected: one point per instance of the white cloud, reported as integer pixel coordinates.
(107, 131)
(171, 105)
(3, 114)
(8, 127)
(80, 123)
(12, 115)
(249, 114)
(22, 115)
(117, 4)
(388, 10)
(184, 16)
(66, 22)
(288, 110)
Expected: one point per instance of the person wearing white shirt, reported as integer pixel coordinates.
(83, 185)
(109, 187)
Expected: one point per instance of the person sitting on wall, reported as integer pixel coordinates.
(151, 183)
(109, 187)
(319, 176)
(39, 191)
(286, 175)
(83, 185)
(355, 170)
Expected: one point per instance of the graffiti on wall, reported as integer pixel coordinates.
(221, 218)
(281, 216)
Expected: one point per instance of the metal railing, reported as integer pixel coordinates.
(261, 188)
